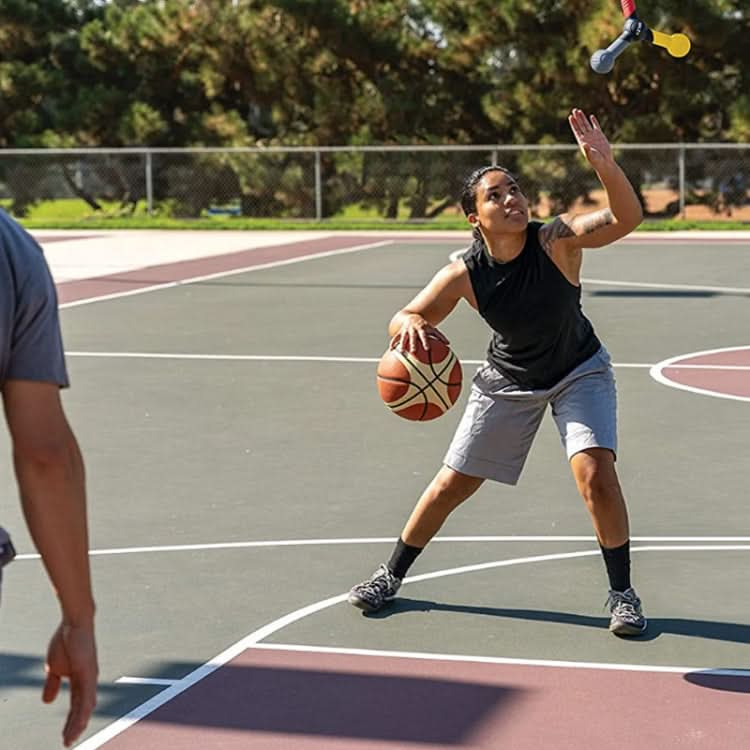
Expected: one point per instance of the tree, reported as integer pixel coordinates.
(353, 72)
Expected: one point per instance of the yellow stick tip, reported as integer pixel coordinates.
(679, 45)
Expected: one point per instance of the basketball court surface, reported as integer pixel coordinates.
(243, 474)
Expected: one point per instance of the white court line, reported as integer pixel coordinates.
(340, 360)
(464, 659)
(386, 540)
(710, 367)
(219, 274)
(145, 681)
(657, 372)
(227, 357)
(144, 709)
(323, 358)
(501, 660)
(276, 358)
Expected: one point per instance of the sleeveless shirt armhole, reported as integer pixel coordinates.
(472, 258)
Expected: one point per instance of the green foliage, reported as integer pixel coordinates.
(739, 118)
(338, 72)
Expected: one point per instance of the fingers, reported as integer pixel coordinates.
(579, 123)
(582, 124)
(72, 655)
(413, 337)
(410, 339)
(406, 339)
(590, 137)
(424, 339)
(51, 687)
(434, 333)
(82, 703)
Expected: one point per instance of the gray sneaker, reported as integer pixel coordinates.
(372, 594)
(627, 617)
(7, 553)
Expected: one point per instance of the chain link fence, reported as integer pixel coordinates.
(415, 183)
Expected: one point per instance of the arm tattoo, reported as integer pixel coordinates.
(555, 230)
(575, 226)
(589, 223)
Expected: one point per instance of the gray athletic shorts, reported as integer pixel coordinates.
(501, 419)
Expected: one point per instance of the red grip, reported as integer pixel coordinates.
(628, 7)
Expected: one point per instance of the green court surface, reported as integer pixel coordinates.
(241, 467)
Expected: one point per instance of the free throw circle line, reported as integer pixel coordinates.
(657, 372)
(149, 706)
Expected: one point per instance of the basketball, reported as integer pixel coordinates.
(420, 385)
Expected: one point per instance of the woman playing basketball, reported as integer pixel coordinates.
(524, 280)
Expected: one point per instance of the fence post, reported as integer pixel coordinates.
(149, 184)
(318, 189)
(681, 172)
(494, 158)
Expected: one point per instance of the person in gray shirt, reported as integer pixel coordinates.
(48, 465)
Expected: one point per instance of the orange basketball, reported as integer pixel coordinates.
(420, 385)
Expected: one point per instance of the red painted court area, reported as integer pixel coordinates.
(722, 373)
(168, 273)
(277, 698)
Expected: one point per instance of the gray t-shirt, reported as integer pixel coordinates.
(31, 346)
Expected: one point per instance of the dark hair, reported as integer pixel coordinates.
(469, 189)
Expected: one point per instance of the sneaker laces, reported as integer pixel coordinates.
(381, 582)
(624, 604)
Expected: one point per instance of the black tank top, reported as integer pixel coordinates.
(540, 332)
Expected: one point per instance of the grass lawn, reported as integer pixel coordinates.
(76, 214)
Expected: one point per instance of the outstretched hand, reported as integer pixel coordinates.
(72, 655)
(591, 140)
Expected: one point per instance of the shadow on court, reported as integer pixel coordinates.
(23, 672)
(714, 681)
(301, 701)
(292, 698)
(19, 670)
(332, 703)
(719, 631)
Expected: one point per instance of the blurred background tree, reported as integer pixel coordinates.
(352, 72)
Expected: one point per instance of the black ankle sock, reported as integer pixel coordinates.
(617, 560)
(402, 558)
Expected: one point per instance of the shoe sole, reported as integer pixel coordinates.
(355, 601)
(622, 628)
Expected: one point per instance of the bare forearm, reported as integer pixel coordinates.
(54, 502)
(623, 202)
